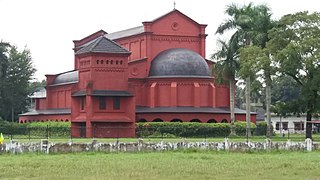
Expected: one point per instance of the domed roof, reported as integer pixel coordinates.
(179, 62)
(66, 78)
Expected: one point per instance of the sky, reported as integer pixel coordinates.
(48, 27)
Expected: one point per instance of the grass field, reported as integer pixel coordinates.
(162, 165)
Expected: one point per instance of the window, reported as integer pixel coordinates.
(107, 62)
(285, 125)
(111, 62)
(120, 62)
(102, 103)
(83, 102)
(277, 126)
(101, 61)
(116, 102)
(97, 61)
(299, 126)
(117, 61)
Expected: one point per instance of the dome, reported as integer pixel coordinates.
(179, 62)
(66, 78)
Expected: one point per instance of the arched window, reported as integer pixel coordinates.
(176, 120)
(117, 61)
(121, 62)
(157, 120)
(195, 120)
(142, 120)
(107, 62)
(97, 61)
(111, 62)
(212, 121)
(101, 61)
(224, 121)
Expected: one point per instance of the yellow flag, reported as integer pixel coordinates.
(1, 138)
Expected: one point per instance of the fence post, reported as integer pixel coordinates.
(93, 131)
(247, 134)
(28, 129)
(11, 132)
(70, 133)
(47, 131)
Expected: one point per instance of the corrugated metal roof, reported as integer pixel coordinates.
(110, 93)
(47, 112)
(125, 33)
(104, 93)
(41, 93)
(140, 109)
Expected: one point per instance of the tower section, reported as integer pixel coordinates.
(102, 105)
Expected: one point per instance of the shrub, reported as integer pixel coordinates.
(9, 128)
(262, 128)
(50, 129)
(241, 127)
(185, 129)
(36, 129)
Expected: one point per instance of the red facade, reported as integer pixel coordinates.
(154, 72)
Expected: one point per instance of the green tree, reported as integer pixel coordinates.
(295, 45)
(37, 85)
(3, 69)
(225, 69)
(3, 58)
(16, 89)
(248, 21)
(286, 98)
(256, 56)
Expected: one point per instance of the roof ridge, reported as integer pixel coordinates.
(115, 43)
(98, 40)
(102, 44)
(124, 30)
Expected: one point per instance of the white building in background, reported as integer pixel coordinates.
(293, 124)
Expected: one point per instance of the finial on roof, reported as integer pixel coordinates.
(174, 4)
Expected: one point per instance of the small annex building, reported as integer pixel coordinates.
(156, 72)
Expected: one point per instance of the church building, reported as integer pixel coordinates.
(156, 72)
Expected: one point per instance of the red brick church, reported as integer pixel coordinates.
(156, 72)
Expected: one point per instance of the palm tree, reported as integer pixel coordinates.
(225, 69)
(248, 21)
(263, 25)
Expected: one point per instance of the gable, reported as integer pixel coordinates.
(175, 23)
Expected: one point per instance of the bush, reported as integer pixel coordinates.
(185, 129)
(50, 129)
(261, 129)
(9, 128)
(36, 129)
(241, 127)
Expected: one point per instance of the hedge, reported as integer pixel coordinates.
(241, 127)
(148, 129)
(262, 128)
(36, 129)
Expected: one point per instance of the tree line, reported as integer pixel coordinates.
(271, 50)
(16, 81)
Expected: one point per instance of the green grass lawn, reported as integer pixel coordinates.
(162, 165)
